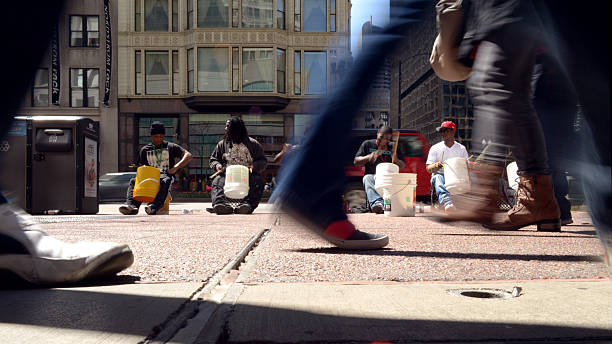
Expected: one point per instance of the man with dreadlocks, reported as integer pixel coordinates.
(237, 148)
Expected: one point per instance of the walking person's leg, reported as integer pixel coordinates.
(27, 251)
(505, 119)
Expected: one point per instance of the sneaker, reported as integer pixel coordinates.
(449, 207)
(358, 240)
(41, 259)
(128, 209)
(150, 209)
(223, 209)
(377, 208)
(243, 208)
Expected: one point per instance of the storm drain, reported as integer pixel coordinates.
(486, 293)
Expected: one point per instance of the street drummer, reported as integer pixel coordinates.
(444, 150)
(163, 155)
(237, 148)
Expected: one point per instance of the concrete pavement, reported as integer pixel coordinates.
(202, 278)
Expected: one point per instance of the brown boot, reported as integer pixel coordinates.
(481, 203)
(536, 205)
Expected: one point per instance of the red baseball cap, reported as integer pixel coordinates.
(447, 124)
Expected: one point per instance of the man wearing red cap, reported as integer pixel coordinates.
(445, 149)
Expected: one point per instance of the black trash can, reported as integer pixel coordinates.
(52, 165)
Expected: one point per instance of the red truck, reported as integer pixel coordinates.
(415, 149)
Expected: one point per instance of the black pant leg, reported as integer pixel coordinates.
(164, 185)
(256, 186)
(218, 196)
(129, 199)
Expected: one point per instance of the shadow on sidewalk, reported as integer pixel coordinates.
(458, 255)
(112, 312)
(11, 281)
(580, 235)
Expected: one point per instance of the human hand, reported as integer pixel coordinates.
(220, 168)
(374, 156)
(439, 165)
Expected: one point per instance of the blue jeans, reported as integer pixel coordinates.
(369, 180)
(437, 181)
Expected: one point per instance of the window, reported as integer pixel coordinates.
(213, 69)
(138, 71)
(156, 72)
(297, 74)
(315, 16)
(190, 14)
(84, 31)
(175, 72)
(235, 13)
(84, 87)
(297, 20)
(315, 68)
(280, 70)
(40, 89)
(156, 15)
(280, 14)
(235, 69)
(213, 13)
(175, 22)
(257, 13)
(137, 15)
(332, 15)
(190, 70)
(257, 70)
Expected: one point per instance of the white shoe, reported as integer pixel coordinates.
(41, 259)
(449, 207)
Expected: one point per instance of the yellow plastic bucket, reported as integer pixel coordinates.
(147, 184)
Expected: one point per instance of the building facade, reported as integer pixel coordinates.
(78, 74)
(193, 63)
(374, 112)
(420, 99)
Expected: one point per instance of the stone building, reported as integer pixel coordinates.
(420, 99)
(375, 110)
(191, 64)
(78, 74)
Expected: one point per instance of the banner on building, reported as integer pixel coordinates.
(55, 67)
(109, 52)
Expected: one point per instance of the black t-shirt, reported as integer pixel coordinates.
(163, 157)
(369, 146)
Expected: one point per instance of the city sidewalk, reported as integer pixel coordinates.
(203, 278)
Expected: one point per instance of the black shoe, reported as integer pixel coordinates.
(243, 208)
(223, 209)
(150, 209)
(566, 221)
(128, 209)
(377, 208)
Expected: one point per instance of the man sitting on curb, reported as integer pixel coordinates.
(445, 149)
(237, 148)
(161, 154)
(371, 153)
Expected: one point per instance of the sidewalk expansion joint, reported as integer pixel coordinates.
(202, 304)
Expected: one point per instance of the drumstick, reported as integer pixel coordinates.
(442, 160)
(395, 145)
(212, 176)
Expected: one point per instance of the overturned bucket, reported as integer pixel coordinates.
(146, 186)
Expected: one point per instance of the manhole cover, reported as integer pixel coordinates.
(483, 293)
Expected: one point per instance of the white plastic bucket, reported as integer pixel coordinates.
(399, 194)
(456, 176)
(236, 182)
(383, 169)
(511, 171)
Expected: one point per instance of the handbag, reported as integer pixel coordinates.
(443, 59)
